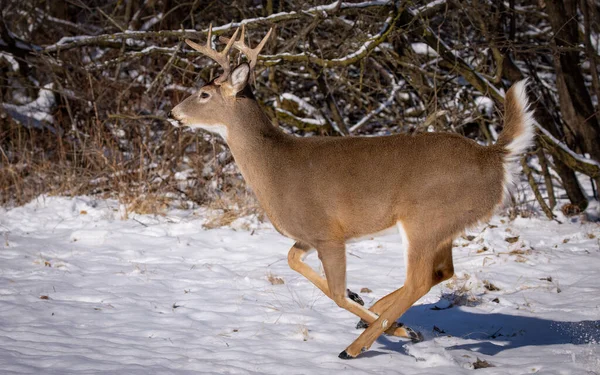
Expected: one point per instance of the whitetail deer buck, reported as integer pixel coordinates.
(324, 191)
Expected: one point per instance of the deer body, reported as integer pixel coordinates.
(324, 191)
(337, 189)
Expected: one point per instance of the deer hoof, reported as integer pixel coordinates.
(355, 297)
(415, 336)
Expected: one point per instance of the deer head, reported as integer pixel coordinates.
(213, 105)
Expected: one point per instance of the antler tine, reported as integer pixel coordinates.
(251, 53)
(222, 58)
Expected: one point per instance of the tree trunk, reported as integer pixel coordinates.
(581, 125)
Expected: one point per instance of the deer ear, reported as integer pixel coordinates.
(238, 79)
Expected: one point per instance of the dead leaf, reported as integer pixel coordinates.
(274, 280)
(489, 286)
(481, 364)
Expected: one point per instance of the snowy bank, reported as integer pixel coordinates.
(82, 291)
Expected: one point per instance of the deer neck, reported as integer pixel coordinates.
(256, 145)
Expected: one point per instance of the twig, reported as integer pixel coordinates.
(535, 189)
(67, 43)
(346, 60)
(164, 69)
(395, 87)
(547, 177)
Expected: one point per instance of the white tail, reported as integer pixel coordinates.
(518, 133)
(325, 191)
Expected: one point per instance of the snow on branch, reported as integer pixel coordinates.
(71, 42)
(11, 60)
(148, 51)
(305, 120)
(37, 113)
(382, 106)
(303, 106)
(587, 166)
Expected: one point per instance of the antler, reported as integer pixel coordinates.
(240, 45)
(222, 58)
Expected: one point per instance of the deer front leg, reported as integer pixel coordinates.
(296, 261)
(333, 258)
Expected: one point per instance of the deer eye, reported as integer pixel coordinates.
(204, 95)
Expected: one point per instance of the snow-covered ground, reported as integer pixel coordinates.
(84, 291)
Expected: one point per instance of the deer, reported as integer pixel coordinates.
(324, 191)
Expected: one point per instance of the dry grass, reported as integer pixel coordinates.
(141, 172)
(153, 204)
(232, 205)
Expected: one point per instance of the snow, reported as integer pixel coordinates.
(11, 60)
(35, 112)
(83, 290)
(423, 49)
(430, 5)
(152, 21)
(303, 106)
(484, 105)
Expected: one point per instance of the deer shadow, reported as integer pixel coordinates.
(491, 333)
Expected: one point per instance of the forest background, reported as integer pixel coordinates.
(86, 87)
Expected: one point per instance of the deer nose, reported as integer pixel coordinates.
(170, 114)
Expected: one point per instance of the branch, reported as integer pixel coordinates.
(349, 59)
(572, 159)
(71, 42)
(164, 69)
(410, 17)
(149, 51)
(395, 87)
(566, 155)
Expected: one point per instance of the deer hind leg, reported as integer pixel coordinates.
(425, 269)
(334, 286)
(443, 266)
(444, 269)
